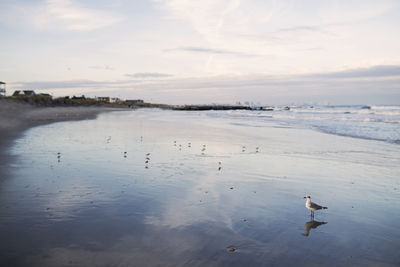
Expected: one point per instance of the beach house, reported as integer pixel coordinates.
(24, 93)
(114, 100)
(103, 98)
(2, 88)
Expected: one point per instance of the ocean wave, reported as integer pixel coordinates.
(383, 112)
(373, 123)
(320, 118)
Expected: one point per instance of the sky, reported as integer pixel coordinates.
(202, 52)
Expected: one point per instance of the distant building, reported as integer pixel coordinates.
(46, 95)
(134, 101)
(24, 93)
(2, 88)
(114, 100)
(103, 98)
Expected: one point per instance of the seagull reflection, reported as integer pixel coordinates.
(311, 225)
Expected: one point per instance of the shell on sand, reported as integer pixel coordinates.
(230, 249)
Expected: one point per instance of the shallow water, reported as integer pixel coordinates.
(95, 205)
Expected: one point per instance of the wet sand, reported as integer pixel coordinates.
(16, 118)
(164, 188)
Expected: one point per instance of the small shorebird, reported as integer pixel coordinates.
(312, 206)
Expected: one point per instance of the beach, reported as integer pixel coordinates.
(17, 117)
(187, 188)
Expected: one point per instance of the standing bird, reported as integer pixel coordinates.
(312, 206)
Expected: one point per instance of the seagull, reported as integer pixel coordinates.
(312, 206)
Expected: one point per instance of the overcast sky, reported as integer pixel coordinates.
(208, 51)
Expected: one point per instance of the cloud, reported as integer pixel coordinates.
(372, 72)
(210, 51)
(207, 17)
(38, 85)
(57, 15)
(105, 67)
(74, 17)
(384, 73)
(300, 28)
(376, 85)
(144, 75)
(354, 11)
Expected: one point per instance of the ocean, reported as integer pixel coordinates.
(368, 122)
(213, 188)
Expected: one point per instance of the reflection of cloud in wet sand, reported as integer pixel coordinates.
(149, 246)
(311, 225)
(123, 253)
(201, 203)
